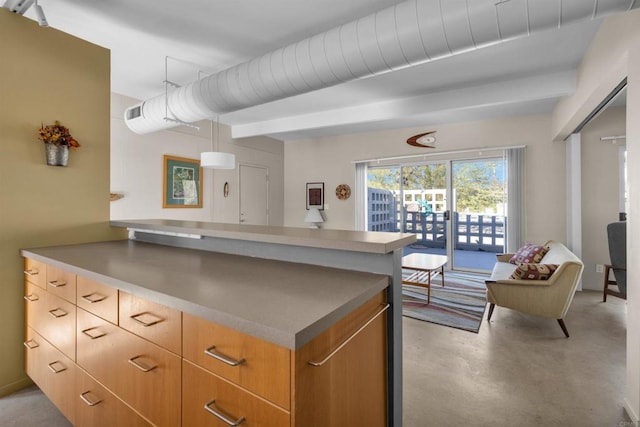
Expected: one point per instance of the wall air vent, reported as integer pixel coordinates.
(134, 112)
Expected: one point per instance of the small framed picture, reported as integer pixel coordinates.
(315, 195)
(182, 182)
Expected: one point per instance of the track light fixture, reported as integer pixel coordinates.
(42, 20)
(18, 6)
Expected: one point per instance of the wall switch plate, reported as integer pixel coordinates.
(599, 268)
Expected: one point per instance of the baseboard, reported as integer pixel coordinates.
(15, 386)
(635, 420)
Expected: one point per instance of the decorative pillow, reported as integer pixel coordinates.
(533, 271)
(529, 254)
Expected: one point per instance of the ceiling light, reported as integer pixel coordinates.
(42, 20)
(17, 6)
(215, 159)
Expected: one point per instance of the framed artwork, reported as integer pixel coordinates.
(315, 195)
(182, 183)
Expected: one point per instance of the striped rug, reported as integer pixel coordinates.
(459, 304)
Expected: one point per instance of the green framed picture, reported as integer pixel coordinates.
(182, 186)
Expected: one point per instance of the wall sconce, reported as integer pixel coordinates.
(314, 218)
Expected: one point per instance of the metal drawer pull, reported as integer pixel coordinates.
(211, 351)
(209, 408)
(58, 312)
(326, 359)
(93, 297)
(88, 401)
(142, 366)
(94, 335)
(55, 370)
(154, 319)
(31, 272)
(57, 284)
(31, 297)
(31, 344)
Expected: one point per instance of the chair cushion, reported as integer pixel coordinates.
(528, 271)
(529, 254)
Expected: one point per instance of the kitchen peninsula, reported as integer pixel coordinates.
(306, 297)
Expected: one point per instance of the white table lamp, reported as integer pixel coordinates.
(314, 217)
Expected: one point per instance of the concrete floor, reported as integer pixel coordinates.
(519, 370)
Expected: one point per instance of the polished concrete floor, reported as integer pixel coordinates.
(519, 370)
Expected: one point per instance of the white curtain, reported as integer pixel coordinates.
(515, 199)
(360, 194)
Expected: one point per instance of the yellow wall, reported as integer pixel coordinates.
(47, 75)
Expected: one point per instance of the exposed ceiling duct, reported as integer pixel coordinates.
(404, 35)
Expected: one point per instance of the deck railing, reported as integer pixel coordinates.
(472, 231)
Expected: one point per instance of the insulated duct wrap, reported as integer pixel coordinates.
(404, 35)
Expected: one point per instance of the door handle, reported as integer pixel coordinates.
(447, 215)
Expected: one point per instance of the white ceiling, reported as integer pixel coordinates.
(522, 76)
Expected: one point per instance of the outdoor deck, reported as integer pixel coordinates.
(464, 259)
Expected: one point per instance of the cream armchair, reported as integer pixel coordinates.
(547, 298)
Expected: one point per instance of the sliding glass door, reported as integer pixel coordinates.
(454, 208)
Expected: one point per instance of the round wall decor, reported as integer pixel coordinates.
(343, 191)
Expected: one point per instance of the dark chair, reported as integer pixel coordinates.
(617, 234)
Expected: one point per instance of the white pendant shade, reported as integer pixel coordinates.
(217, 160)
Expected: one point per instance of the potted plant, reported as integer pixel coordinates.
(57, 141)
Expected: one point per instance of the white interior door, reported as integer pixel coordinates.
(254, 195)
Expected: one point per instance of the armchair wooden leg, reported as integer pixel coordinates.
(564, 328)
(491, 307)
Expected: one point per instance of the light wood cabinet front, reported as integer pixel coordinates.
(144, 375)
(59, 328)
(208, 399)
(99, 299)
(97, 407)
(35, 272)
(35, 306)
(157, 323)
(254, 364)
(61, 283)
(34, 357)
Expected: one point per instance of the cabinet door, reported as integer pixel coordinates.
(97, 407)
(140, 373)
(35, 272)
(59, 325)
(350, 387)
(34, 357)
(35, 306)
(208, 399)
(155, 322)
(99, 299)
(57, 375)
(259, 366)
(61, 283)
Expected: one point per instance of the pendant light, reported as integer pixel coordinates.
(216, 159)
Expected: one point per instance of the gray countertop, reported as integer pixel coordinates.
(282, 302)
(346, 240)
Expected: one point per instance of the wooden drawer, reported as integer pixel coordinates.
(52, 371)
(35, 272)
(58, 325)
(264, 368)
(98, 407)
(61, 283)
(99, 299)
(35, 306)
(157, 323)
(203, 389)
(139, 372)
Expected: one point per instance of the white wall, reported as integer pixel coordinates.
(600, 192)
(136, 170)
(329, 160)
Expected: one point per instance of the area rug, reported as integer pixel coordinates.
(459, 304)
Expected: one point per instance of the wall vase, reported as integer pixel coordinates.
(57, 155)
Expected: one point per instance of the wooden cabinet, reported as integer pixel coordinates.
(98, 299)
(35, 272)
(254, 364)
(61, 283)
(157, 323)
(208, 400)
(116, 359)
(98, 407)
